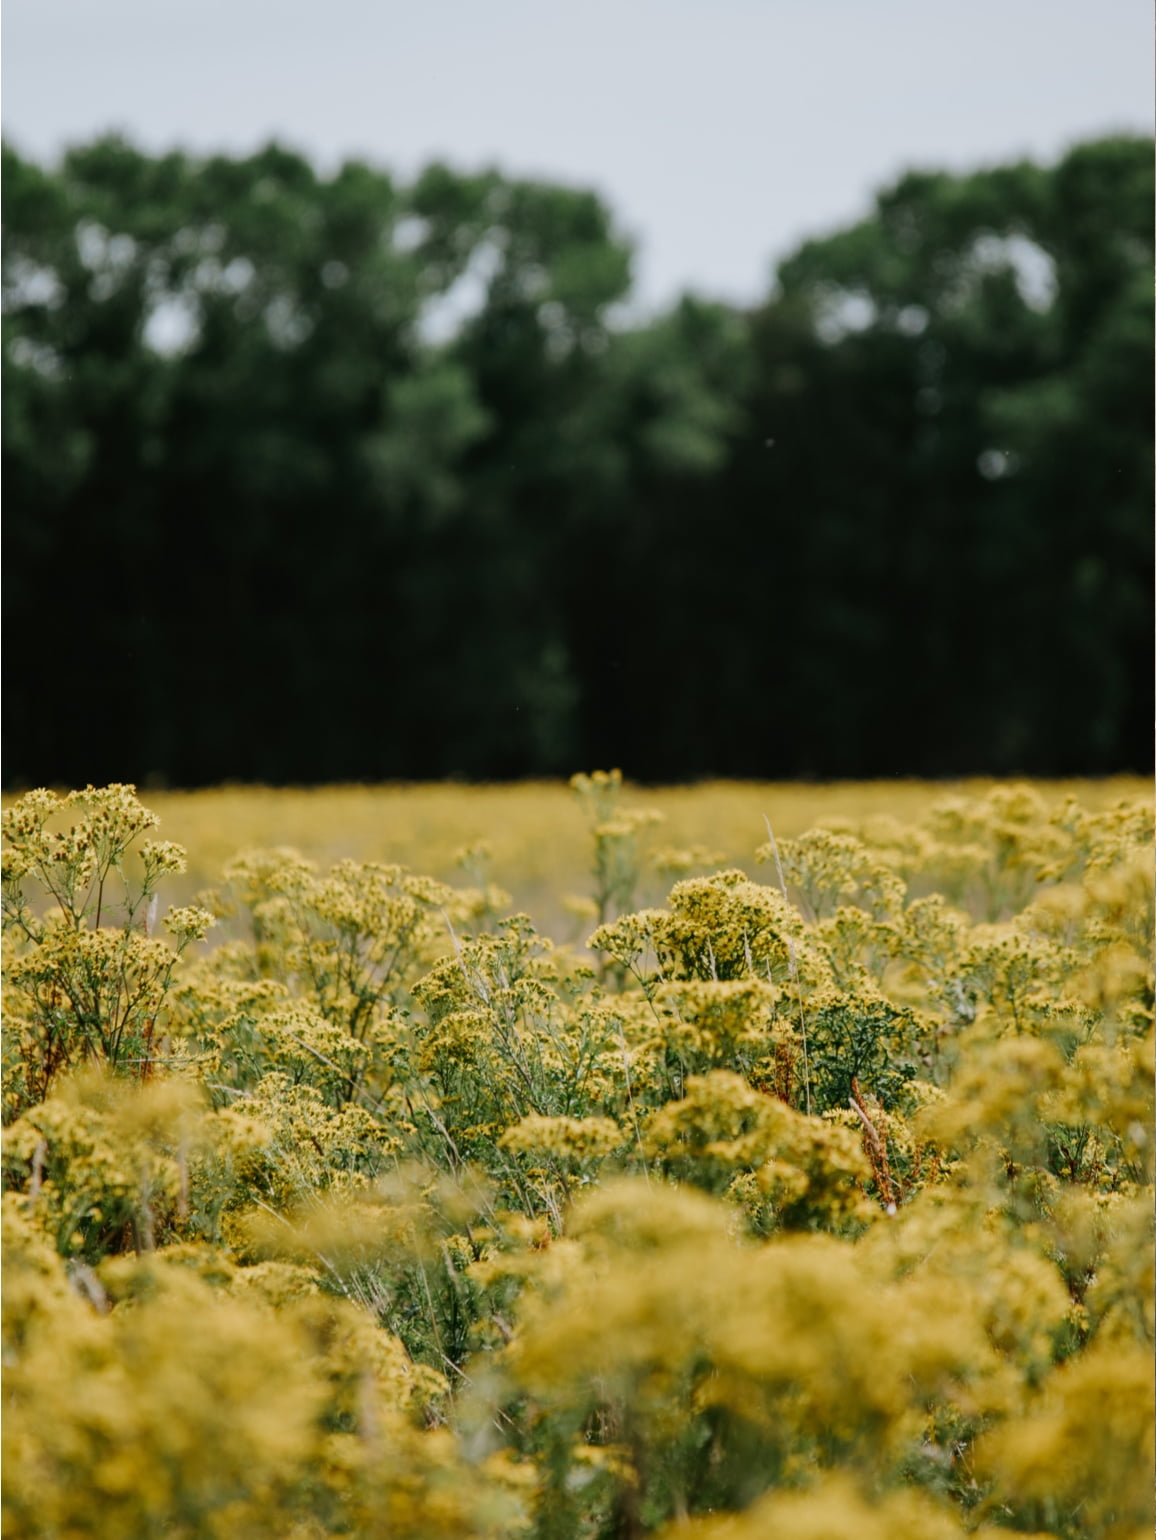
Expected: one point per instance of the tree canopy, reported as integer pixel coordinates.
(332, 477)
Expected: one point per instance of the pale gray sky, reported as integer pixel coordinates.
(721, 131)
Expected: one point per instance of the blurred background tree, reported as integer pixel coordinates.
(315, 478)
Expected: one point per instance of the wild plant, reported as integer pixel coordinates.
(812, 1207)
(88, 982)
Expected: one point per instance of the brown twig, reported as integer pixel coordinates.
(876, 1147)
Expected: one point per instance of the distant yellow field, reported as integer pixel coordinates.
(537, 831)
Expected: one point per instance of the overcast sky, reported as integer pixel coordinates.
(721, 131)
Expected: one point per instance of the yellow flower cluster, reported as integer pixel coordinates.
(811, 1207)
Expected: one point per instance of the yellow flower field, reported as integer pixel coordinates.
(536, 832)
(786, 1172)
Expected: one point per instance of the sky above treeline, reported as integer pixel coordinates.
(721, 132)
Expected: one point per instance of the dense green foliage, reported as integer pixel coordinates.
(343, 478)
(817, 1208)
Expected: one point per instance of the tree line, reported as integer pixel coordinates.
(322, 477)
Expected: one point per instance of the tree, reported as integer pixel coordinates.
(326, 477)
(928, 549)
